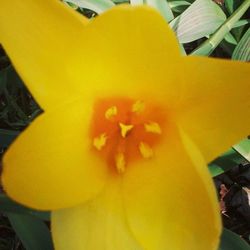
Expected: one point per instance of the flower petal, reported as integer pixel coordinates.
(216, 103)
(51, 165)
(96, 225)
(127, 50)
(38, 36)
(170, 201)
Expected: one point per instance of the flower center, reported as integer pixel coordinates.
(124, 130)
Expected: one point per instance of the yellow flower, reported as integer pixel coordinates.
(120, 152)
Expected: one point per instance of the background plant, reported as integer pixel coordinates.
(203, 27)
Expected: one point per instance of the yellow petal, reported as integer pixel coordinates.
(128, 50)
(170, 200)
(38, 37)
(215, 109)
(96, 225)
(120, 162)
(138, 107)
(51, 165)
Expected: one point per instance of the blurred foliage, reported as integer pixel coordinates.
(18, 108)
(8, 238)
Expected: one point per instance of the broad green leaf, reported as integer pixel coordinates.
(120, 1)
(229, 5)
(201, 19)
(72, 5)
(6, 137)
(225, 162)
(9, 206)
(230, 38)
(231, 241)
(205, 49)
(97, 6)
(3, 80)
(135, 2)
(243, 148)
(163, 7)
(242, 50)
(179, 6)
(241, 23)
(227, 47)
(33, 232)
(210, 44)
(232, 5)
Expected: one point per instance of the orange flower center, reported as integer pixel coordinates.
(125, 130)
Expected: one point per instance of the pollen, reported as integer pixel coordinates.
(125, 132)
(153, 127)
(146, 150)
(110, 112)
(100, 141)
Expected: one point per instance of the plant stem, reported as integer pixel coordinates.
(210, 44)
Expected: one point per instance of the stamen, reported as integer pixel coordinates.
(125, 129)
(145, 150)
(152, 127)
(120, 162)
(100, 141)
(138, 107)
(112, 111)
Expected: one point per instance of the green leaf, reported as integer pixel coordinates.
(229, 5)
(33, 232)
(201, 19)
(163, 7)
(72, 5)
(13, 78)
(241, 23)
(210, 44)
(179, 6)
(231, 241)
(120, 1)
(6, 137)
(135, 2)
(97, 6)
(232, 5)
(242, 50)
(230, 38)
(243, 148)
(227, 47)
(9, 206)
(3, 80)
(225, 162)
(9, 76)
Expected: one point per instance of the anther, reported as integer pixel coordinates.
(145, 150)
(125, 130)
(100, 141)
(112, 111)
(152, 127)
